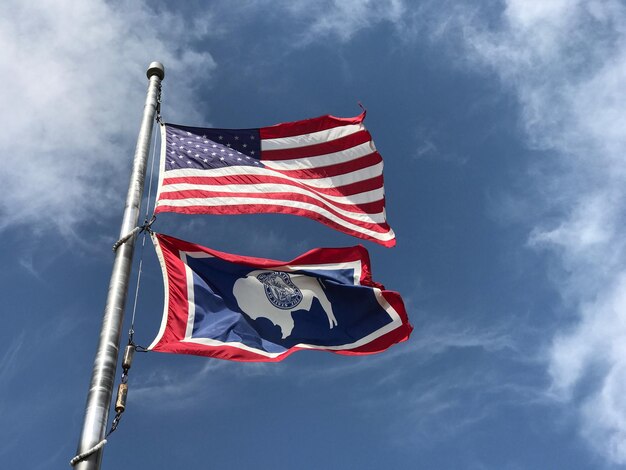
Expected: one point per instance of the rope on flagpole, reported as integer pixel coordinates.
(158, 105)
(88, 452)
(146, 224)
(140, 228)
(145, 229)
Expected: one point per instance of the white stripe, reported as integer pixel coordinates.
(263, 188)
(330, 182)
(312, 138)
(306, 163)
(166, 301)
(190, 296)
(370, 218)
(235, 201)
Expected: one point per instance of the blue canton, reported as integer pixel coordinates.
(199, 148)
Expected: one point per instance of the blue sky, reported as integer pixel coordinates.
(503, 132)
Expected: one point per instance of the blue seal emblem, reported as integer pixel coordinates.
(280, 289)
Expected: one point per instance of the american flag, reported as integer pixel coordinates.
(325, 168)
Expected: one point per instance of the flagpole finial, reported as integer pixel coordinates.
(156, 68)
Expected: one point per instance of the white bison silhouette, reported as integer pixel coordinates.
(275, 295)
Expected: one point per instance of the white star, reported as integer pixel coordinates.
(251, 137)
(236, 137)
(221, 137)
(256, 163)
(188, 151)
(245, 145)
(214, 145)
(188, 163)
(197, 146)
(252, 153)
(197, 137)
(180, 156)
(222, 158)
(230, 154)
(197, 155)
(206, 150)
(205, 160)
(228, 145)
(173, 151)
(188, 133)
(204, 136)
(222, 150)
(239, 159)
(213, 153)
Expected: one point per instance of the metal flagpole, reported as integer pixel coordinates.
(105, 362)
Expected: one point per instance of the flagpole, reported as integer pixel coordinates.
(105, 362)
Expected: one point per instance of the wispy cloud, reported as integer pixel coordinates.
(445, 381)
(431, 338)
(32, 406)
(428, 383)
(173, 390)
(179, 389)
(566, 64)
(311, 22)
(8, 362)
(394, 379)
(342, 19)
(73, 84)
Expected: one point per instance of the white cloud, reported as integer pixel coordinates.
(341, 19)
(179, 390)
(8, 363)
(72, 96)
(441, 403)
(566, 62)
(430, 338)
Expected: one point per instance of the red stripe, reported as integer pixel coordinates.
(177, 295)
(307, 126)
(257, 209)
(335, 169)
(313, 256)
(369, 208)
(346, 190)
(244, 208)
(324, 148)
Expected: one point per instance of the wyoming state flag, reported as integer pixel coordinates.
(251, 309)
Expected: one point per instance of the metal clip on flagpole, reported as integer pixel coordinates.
(89, 454)
(140, 228)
